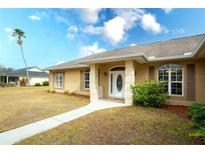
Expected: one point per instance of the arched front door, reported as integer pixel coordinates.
(117, 82)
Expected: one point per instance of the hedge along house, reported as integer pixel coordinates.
(19, 77)
(110, 74)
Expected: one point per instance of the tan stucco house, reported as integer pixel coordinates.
(110, 74)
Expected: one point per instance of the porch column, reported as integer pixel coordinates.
(7, 79)
(51, 81)
(93, 83)
(129, 80)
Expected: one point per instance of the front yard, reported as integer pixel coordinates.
(125, 125)
(23, 105)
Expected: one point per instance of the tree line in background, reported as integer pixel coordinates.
(5, 69)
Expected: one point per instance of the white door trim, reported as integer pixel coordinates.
(109, 82)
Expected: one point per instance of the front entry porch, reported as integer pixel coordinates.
(9, 79)
(112, 81)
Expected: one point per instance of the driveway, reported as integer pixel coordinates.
(15, 135)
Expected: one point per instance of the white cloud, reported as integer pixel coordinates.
(149, 23)
(34, 18)
(178, 30)
(72, 30)
(43, 14)
(93, 30)
(166, 31)
(60, 62)
(130, 16)
(114, 30)
(9, 30)
(167, 10)
(70, 36)
(61, 19)
(11, 38)
(90, 15)
(133, 44)
(90, 49)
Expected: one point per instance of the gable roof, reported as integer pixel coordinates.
(22, 73)
(184, 47)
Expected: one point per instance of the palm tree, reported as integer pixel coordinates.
(20, 34)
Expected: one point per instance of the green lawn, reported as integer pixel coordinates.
(23, 105)
(125, 125)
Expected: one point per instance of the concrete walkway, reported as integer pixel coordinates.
(15, 135)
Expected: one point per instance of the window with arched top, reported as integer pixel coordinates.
(173, 74)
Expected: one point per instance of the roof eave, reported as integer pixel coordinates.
(63, 68)
(199, 47)
(170, 58)
(116, 58)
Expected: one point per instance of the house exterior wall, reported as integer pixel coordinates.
(72, 81)
(73, 78)
(200, 81)
(142, 74)
(34, 80)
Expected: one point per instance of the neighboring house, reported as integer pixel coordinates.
(110, 74)
(19, 76)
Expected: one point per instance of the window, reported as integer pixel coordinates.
(87, 79)
(59, 80)
(173, 74)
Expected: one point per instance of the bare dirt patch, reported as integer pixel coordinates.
(177, 109)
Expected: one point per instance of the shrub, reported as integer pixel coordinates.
(53, 91)
(199, 133)
(45, 83)
(37, 84)
(150, 94)
(197, 114)
(66, 92)
(11, 84)
(3, 84)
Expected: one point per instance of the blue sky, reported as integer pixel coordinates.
(57, 35)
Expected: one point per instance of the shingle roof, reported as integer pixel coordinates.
(162, 49)
(70, 64)
(22, 73)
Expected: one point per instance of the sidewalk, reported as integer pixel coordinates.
(15, 135)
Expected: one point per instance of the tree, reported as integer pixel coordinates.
(4, 69)
(20, 34)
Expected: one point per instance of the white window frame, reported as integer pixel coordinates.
(59, 80)
(85, 80)
(170, 82)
